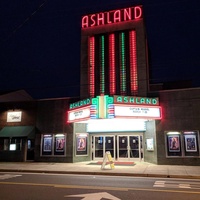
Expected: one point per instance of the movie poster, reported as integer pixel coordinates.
(47, 144)
(81, 144)
(190, 143)
(60, 144)
(174, 143)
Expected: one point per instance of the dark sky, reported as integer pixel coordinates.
(40, 42)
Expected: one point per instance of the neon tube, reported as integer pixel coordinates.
(112, 64)
(102, 67)
(122, 64)
(133, 63)
(91, 66)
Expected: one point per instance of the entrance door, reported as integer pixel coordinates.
(30, 149)
(128, 147)
(103, 144)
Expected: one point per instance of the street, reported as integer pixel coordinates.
(28, 186)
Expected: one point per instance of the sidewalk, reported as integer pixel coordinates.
(140, 169)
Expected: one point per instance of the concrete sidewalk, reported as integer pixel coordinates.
(140, 169)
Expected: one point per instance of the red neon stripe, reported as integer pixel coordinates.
(133, 63)
(91, 66)
(112, 64)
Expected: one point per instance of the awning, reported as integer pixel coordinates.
(18, 131)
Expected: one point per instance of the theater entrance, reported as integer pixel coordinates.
(101, 144)
(121, 147)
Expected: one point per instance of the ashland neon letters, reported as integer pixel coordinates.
(110, 17)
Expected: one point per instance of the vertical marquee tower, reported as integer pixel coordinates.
(114, 53)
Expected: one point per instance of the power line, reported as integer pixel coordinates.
(25, 21)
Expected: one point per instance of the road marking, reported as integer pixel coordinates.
(96, 196)
(159, 184)
(99, 188)
(8, 176)
(176, 184)
(184, 186)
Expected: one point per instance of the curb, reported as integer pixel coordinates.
(102, 173)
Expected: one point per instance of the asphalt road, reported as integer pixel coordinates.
(27, 186)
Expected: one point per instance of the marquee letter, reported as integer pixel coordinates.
(100, 19)
(117, 16)
(154, 101)
(108, 18)
(85, 22)
(119, 99)
(137, 12)
(93, 20)
(127, 14)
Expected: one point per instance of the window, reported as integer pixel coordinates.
(182, 144)
(11, 144)
(16, 143)
(53, 144)
(1, 144)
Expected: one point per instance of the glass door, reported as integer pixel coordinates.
(122, 147)
(98, 147)
(134, 146)
(103, 144)
(110, 145)
(128, 147)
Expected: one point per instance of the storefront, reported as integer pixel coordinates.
(113, 123)
(17, 130)
(17, 143)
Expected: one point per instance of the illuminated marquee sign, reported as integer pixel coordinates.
(79, 104)
(111, 17)
(106, 107)
(136, 100)
(79, 114)
(146, 112)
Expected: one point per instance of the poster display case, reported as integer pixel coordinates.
(150, 144)
(59, 146)
(81, 144)
(173, 144)
(184, 144)
(53, 144)
(191, 142)
(47, 144)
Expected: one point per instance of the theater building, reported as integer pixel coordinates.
(117, 111)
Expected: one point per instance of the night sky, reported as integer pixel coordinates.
(40, 42)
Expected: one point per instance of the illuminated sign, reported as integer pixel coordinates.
(152, 112)
(14, 116)
(79, 113)
(106, 107)
(79, 104)
(135, 100)
(111, 17)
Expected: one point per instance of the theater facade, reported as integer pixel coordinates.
(117, 111)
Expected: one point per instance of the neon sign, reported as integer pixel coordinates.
(136, 100)
(79, 104)
(108, 107)
(111, 17)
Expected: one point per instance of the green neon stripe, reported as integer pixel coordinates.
(123, 66)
